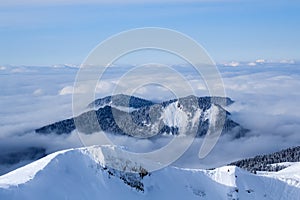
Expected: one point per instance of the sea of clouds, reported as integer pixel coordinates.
(266, 96)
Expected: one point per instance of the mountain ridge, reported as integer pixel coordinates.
(86, 173)
(147, 116)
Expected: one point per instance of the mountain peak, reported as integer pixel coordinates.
(146, 118)
(120, 100)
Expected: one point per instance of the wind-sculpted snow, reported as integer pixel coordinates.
(86, 173)
(147, 119)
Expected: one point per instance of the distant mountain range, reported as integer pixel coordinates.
(133, 116)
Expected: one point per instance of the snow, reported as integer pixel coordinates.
(174, 116)
(212, 114)
(290, 175)
(26, 173)
(224, 175)
(115, 157)
(83, 174)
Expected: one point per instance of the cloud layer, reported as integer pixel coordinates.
(266, 102)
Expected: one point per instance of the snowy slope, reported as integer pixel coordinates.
(290, 175)
(84, 174)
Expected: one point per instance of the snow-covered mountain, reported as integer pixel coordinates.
(87, 173)
(129, 116)
(144, 118)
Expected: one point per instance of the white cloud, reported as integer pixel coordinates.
(24, 106)
(18, 70)
(232, 64)
(38, 92)
(102, 88)
(251, 64)
(287, 61)
(105, 87)
(66, 65)
(260, 61)
(66, 90)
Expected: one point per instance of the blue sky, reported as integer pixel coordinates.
(57, 32)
